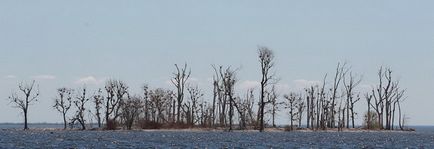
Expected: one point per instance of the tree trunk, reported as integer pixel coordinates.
(25, 120)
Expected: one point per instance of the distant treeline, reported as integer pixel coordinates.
(321, 106)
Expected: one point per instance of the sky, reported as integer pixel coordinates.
(72, 43)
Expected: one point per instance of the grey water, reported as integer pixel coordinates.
(13, 137)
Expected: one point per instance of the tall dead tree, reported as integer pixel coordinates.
(23, 102)
(180, 78)
(216, 94)
(339, 75)
(350, 83)
(368, 98)
(266, 59)
(63, 102)
(228, 82)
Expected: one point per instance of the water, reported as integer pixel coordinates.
(15, 138)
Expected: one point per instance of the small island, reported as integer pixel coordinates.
(323, 106)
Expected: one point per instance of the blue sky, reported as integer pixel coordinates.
(68, 43)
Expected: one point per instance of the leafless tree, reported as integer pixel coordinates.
(266, 59)
(301, 105)
(23, 102)
(195, 94)
(98, 100)
(274, 103)
(179, 80)
(80, 104)
(228, 81)
(368, 98)
(116, 92)
(63, 102)
(341, 70)
(131, 110)
(245, 109)
(292, 106)
(350, 83)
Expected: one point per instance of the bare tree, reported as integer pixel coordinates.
(131, 110)
(116, 92)
(98, 100)
(179, 80)
(266, 59)
(368, 98)
(350, 82)
(63, 102)
(195, 94)
(274, 103)
(228, 82)
(23, 103)
(80, 104)
(292, 106)
(341, 70)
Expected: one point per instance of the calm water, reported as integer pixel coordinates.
(15, 138)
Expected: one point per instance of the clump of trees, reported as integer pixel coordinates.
(327, 105)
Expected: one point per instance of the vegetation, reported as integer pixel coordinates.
(321, 106)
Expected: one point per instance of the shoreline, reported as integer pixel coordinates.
(267, 130)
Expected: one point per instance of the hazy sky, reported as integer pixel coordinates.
(68, 43)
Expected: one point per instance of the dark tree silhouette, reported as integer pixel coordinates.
(228, 81)
(80, 104)
(63, 102)
(350, 83)
(98, 100)
(116, 92)
(195, 94)
(131, 110)
(179, 80)
(266, 59)
(23, 102)
(291, 104)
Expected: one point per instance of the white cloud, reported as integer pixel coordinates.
(44, 77)
(248, 84)
(90, 80)
(10, 77)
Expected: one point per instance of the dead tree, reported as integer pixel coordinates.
(195, 94)
(63, 102)
(80, 104)
(179, 80)
(266, 59)
(228, 82)
(116, 92)
(301, 105)
(98, 100)
(131, 110)
(310, 104)
(291, 100)
(382, 95)
(339, 75)
(368, 98)
(23, 102)
(350, 83)
(216, 95)
(275, 105)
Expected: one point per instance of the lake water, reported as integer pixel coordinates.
(15, 138)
